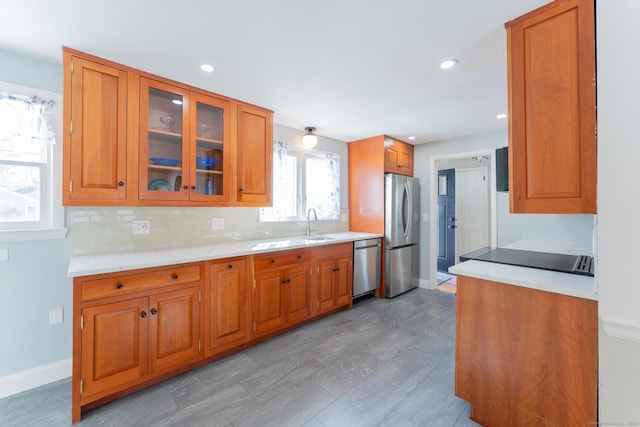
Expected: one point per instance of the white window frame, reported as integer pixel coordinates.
(302, 154)
(51, 224)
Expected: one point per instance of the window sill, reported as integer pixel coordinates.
(25, 235)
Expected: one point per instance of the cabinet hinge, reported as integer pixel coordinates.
(254, 283)
(254, 326)
(318, 269)
(70, 186)
(199, 346)
(199, 295)
(72, 66)
(71, 126)
(81, 321)
(81, 386)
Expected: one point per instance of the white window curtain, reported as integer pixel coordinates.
(27, 119)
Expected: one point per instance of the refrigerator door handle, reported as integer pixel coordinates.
(407, 210)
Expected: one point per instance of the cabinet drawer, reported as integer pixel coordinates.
(119, 285)
(337, 250)
(281, 259)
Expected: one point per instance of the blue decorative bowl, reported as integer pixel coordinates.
(205, 162)
(161, 161)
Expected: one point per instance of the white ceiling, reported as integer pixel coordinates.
(351, 68)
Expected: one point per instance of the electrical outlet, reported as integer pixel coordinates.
(56, 316)
(4, 254)
(425, 217)
(217, 223)
(141, 226)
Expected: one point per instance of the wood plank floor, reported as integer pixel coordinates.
(384, 363)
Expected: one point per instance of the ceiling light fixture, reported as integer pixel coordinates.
(501, 116)
(207, 68)
(411, 138)
(309, 139)
(449, 63)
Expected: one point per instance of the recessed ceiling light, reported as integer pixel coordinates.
(449, 63)
(501, 116)
(207, 68)
(412, 138)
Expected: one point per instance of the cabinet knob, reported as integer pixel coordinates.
(240, 190)
(288, 280)
(193, 187)
(120, 184)
(185, 187)
(154, 311)
(143, 314)
(174, 276)
(229, 266)
(299, 256)
(284, 281)
(273, 261)
(119, 285)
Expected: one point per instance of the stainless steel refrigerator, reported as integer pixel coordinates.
(402, 233)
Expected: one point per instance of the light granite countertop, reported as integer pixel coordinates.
(108, 263)
(550, 281)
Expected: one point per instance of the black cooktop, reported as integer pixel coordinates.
(574, 264)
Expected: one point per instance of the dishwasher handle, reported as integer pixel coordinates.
(364, 244)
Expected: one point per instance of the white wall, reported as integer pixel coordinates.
(576, 229)
(34, 279)
(618, 234)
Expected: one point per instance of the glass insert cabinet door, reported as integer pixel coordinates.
(183, 144)
(209, 152)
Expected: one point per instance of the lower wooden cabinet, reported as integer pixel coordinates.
(130, 339)
(142, 326)
(335, 278)
(133, 326)
(282, 294)
(526, 357)
(226, 300)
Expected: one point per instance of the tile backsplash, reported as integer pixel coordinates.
(109, 229)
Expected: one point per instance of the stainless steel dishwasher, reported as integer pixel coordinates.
(366, 266)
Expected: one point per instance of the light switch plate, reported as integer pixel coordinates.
(217, 223)
(141, 226)
(425, 217)
(4, 254)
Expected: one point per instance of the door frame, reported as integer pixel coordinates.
(433, 203)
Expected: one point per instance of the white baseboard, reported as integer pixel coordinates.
(624, 327)
(35, 377)
(422, 283)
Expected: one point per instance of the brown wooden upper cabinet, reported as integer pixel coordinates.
(254, 159)
(184, 145)
(398, 157)
(552, 109)
(133, 138)
(95, 133)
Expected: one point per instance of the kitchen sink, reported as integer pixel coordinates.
(319, 238)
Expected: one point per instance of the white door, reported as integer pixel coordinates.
(472, 210)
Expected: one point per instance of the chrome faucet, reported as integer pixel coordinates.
(315, 217)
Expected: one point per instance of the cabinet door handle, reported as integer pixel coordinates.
(174, 276)
(229, 266)
(119, 285)
(143, 314)
(121, 184)
(154, 311)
